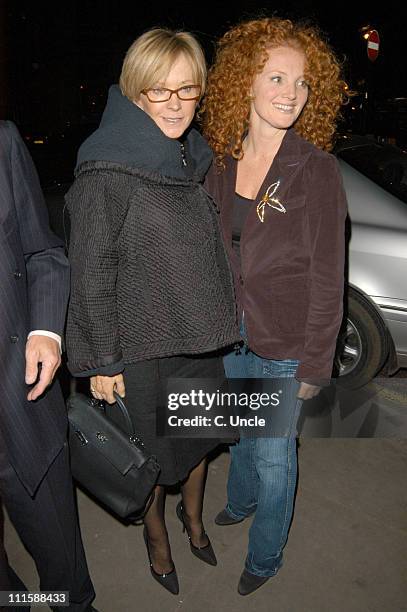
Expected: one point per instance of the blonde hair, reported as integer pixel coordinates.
(150, 57)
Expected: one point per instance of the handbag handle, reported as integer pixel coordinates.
(125, 412)
(123, 409)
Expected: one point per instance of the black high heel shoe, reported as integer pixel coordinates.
(170, 580)
(204, 553)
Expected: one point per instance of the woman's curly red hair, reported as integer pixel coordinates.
(241, 54)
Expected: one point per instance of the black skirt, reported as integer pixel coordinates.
(146, 383)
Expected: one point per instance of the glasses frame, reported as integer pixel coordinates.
(171, 92)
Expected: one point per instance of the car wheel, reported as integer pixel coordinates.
(362, 343)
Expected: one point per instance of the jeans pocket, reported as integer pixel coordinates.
(285, 368)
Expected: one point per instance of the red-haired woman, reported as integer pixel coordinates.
(269, 115)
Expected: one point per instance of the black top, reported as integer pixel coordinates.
(241, 207)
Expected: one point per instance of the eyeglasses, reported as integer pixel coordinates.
(163, 94)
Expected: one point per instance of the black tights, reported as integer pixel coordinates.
(192, 501)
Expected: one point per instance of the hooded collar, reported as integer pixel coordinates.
(127, 135)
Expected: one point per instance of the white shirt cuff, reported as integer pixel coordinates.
(42, 332)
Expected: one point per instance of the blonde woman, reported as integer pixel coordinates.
(145, 304)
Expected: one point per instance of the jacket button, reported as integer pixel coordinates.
(14, 339)
(17, 274)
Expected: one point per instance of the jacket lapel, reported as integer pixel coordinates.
(227, 198)
(290, 159)
(288, 162)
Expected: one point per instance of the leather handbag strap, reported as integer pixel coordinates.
(124, 412)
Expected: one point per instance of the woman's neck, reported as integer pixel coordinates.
(260, 143)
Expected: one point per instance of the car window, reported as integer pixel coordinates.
(385, 165)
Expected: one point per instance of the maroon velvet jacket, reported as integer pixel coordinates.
(291, 280)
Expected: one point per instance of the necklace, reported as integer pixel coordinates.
(183, 156)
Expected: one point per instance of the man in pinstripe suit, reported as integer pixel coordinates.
(35, 482)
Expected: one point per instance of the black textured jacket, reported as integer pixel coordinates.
(150, 276)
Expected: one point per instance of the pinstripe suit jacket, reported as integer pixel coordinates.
(34, 287)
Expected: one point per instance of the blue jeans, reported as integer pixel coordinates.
(263, 471)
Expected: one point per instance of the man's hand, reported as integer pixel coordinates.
(45, 351)
(307, 391)
(102, 387)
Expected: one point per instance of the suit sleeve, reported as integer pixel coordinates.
(46, 265)
(92, 336)
(327, 209)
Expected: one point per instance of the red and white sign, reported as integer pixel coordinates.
(373, 43)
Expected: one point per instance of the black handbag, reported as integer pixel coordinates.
(114, 466)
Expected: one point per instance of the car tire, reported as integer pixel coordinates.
(363, 344)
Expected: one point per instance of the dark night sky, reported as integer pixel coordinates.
(55, 47)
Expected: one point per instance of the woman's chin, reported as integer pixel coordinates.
(173, 131)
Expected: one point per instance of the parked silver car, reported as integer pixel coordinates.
(374, 330)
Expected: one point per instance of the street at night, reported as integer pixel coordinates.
(171, 281)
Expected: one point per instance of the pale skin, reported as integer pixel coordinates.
(278, 96)
(102, 387)
(45, 351)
